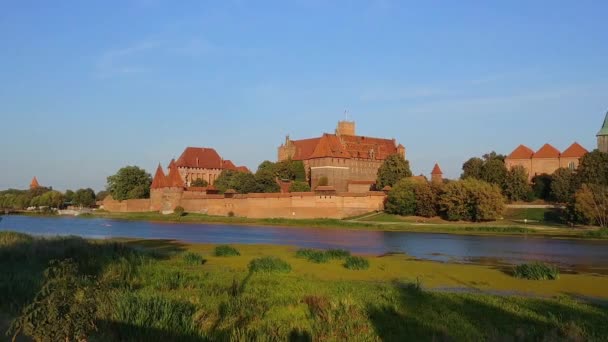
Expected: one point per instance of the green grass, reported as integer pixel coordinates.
(193, 259)
(226, 251)
(319, 256)
(151, 293)
(356, 263)
(601, 233)
(536, 271)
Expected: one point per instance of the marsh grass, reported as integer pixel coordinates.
(319, 256)
(536, 271)
(193, 259)
(269, 264)
(356, 263)
(601, 233)
(226, 251)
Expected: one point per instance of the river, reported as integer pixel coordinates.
(569, 254)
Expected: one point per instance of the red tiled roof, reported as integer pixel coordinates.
(437, 170)
(521, 152)
(344, 146)
(159, 180)
(200, 157)
(228, 165)
(547, 151)
(173, 179)
(243, 169)
(574, 151)
(34, 184)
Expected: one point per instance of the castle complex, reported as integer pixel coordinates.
(202, 163)
(349, 162)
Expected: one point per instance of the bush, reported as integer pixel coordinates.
(193, 259)
(313, 255)
(298, 186)
(226, 251)
(471, 200)
(337, 253)
(356, 263)
(536, 271)
(401, 199)
(179, 211)
(269, 264)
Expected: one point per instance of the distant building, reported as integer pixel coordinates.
(200, 163)
(350, 162)
(34, 183)
(602, 136)
(437, 174)
(546, 160)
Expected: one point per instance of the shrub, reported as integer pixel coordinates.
(226, 251)
(299, 186)
(536, 271)
(401, 199)
(313, 255)
(471, 200)
(231, 213)
(193, 259)
(179, 211)
(356, 263)
(269, 264)
(337, 253)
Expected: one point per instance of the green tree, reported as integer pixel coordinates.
(392, 170)
(472, 168)
(593, 169)
(541, 185)
(471, 200)
(69, 195)
(84, 197)
(266, 182)
(101, 195)
(516, 187)
(53, 199)
(494, 171)
(299, 186)
(591, 203)
(199, 183)
(401, 200)
(130, 182)
(225, 181)
(266, 165)
(298, 170)
(245, 182)
(563, 185)
(426, 200)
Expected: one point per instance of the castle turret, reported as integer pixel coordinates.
(34, 184)
(437, 174)
(345, 128)
(602, 136)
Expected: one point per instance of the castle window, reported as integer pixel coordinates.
(571, 166)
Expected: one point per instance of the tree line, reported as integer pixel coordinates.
(46, 197)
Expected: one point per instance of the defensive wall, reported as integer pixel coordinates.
(302, 205)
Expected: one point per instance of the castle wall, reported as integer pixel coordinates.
(294, 205)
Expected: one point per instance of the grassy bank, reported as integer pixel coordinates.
(160, 290)
(381, 221)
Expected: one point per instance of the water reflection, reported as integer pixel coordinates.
(575, 254)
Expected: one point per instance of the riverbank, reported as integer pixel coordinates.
(164, 290)
(504, 228)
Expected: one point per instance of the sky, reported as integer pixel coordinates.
(87, 87)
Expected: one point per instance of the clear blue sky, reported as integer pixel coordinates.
(89, 86)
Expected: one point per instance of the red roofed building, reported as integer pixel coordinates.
(349, 161)
(437, 174)
(546, 160)
(202, 163)
(34, 184)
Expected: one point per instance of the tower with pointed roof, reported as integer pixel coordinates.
(34, 183)
(437, 175)
(602, 136)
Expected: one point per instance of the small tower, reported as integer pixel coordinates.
(437, 174)
(602, 136)
(345, 128)
(34, 184)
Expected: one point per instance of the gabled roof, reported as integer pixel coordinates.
(361, 147)
(547, 151)
(34, 184)
(574, 151)
(329, 146)
(604, 130)
(305, 148)
(344, 146)
(229, 165)
(243, 169)
(160, 179)
(521, 152)
(200, 157)
(436, 170)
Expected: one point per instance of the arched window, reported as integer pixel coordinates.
(571, 166)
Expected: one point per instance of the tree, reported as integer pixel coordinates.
(472, 168)
(266, 165)
(225, 180)
(85, 197)
(591, 202)
(563, 185)
(494, 171)
(266, 182)
(199, 183)
(101, 195)
(541, 186)
(130, 182)
(426, 200)
(69, 195)
(392, 170)
(52, 199)
(401, 200)
(471, 200)
(516, 187)
(299, 186)
(245, 182)
(593, 169)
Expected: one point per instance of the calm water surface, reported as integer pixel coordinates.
(591, 255)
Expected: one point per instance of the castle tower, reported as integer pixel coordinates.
(34, 184)
(437, 174)
(345, 128)
(602, 136)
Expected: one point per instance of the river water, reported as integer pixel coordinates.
(575, 254)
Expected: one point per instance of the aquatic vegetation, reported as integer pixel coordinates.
(313, 255)
(536, 271)
(226, 251)
(356, 263)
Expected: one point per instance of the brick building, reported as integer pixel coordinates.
(201, 163)
(349, 161)
(546, 160)
(602, 136)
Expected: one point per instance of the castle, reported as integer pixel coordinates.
(202, 163)
(348, 161)
(548, 159)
